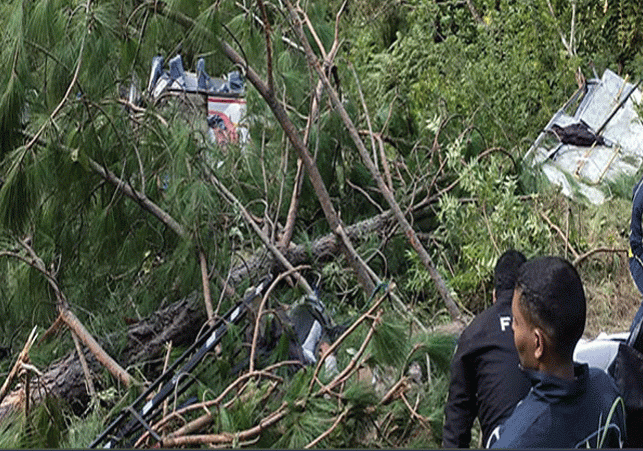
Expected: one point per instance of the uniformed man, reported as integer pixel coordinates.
(486, 380)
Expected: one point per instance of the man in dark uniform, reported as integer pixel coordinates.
(486, 380)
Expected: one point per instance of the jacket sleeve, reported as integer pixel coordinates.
(636, 230)
(460, 410)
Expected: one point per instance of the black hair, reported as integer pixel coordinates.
(506, 270)
(552, 298)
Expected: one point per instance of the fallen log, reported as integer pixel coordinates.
(320, 249)
(178, 323)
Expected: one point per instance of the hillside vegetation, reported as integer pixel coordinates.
(385, 153)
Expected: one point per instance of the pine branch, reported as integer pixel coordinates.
(355, 261)
(260, 312)
(291, 216)
(129, 191)
(328, 431)
(227, 437)
(370, 127)
(341, 338)
(139, 198)
(313, 115)
(69, 317)
(62, 102)
(452, 307)
(353, 364)
(204, 420)
(311, 168)
(246, 216)
(266, 30)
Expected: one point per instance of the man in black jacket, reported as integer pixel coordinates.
(569, 405)
(636, 244)
(485, 378)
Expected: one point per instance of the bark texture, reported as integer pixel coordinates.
(178, 323)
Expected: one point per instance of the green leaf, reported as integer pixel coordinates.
(17, 195)
(390, 343)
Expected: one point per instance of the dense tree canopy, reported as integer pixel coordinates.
(420, 110)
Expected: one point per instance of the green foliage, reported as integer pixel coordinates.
(438, 347)
(304, 425)
(17, 194)
(612, 35)
(441, 59)
(80, 429)
(479, 219)
(450, 100)
(44, 427)
(389, 344)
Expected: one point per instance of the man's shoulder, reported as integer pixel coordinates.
(598, 374)
(604, 395)
(601, 381)
(494, 319)
(602, 388)
(528, 425)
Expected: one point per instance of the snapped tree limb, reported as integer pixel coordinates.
(313, 61)
(69, 318)
(293, 135)
(23, 357)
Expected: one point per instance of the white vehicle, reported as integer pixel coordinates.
(620, 355)
(601, 351)
(220, 100)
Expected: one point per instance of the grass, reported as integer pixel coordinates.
(611, 302)
(612, 297)
(601, 234)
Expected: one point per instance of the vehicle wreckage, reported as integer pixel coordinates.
(220, 102)
(593, 140)
(309, 323)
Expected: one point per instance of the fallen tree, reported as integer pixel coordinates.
(178, 323)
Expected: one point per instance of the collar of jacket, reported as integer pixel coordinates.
(553, 389)
(504, 296)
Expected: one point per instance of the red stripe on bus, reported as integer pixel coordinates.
(225, 100)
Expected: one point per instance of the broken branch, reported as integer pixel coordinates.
(206, 287)
(560, 232)
(255, 334)
(23, 357)
(578, 260)
(227, 437)
(266, 241)
(68, 316)
(313, 61)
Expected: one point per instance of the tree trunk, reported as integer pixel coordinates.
(178, 323)
(320, 249)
